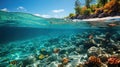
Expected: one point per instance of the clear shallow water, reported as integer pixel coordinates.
(21, 41)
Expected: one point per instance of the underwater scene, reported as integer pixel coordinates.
(58, 42)
(88, 37)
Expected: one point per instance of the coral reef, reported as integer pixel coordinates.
(86, 49)
(113, 62)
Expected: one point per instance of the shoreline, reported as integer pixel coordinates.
(98, 19)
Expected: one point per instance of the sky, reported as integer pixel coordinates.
(43, 8)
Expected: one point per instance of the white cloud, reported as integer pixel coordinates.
(58, 11)
(4, 9)
(21, 8)
(44, 15)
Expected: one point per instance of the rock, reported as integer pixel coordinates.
(82, 57)
(53, 64)
(104, 57)
(93, 16)
(79, 17)
(80, 49)
(75, 62)
(102, 15)
(36, 64)
(63, 51)
(99, 11)
(69, 65)
(54, 57)
(92, 51)
(30, 60)
(56, 50)
(45, 52)
(61, 65)
(113, 14)
(118, 14)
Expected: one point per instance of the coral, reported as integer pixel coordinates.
(14, 62)
(94, 60)
(41, 56)
(56, 50)
(65, 60)
(113, 60)
(90, 37)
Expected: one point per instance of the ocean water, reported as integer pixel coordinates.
(18, 42)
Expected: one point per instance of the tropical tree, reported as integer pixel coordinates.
(77, 3)
(87, 3)
(112, 6)
(71, 15)
(77, 7)
(102, 2)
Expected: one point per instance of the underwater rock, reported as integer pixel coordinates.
(63, 51)
(56, 50)
(81, 65)
(92, 51)
(53, 64)
(75, 62)
(89, 43)
(70, 49)
(30, 60)
(36, 64)
(104, 57)
(45, 52)
(102, 15)
(80, 49)
(80, 58)
(69, 65)
(61, 65)
(54, 57)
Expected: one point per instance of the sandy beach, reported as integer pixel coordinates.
(98, 19)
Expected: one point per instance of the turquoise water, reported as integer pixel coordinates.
(21, 39)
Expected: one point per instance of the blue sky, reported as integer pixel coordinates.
(45, 8)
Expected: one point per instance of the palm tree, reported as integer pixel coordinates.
(77, 7)
(77, 3)
(87, 3)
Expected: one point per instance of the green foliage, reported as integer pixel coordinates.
(78, 10)
(87, 3)
(87, 12)
(77, 7)
(106, 6)
(93, 7)
(77, 3)
(101, 3)
(71, 15)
